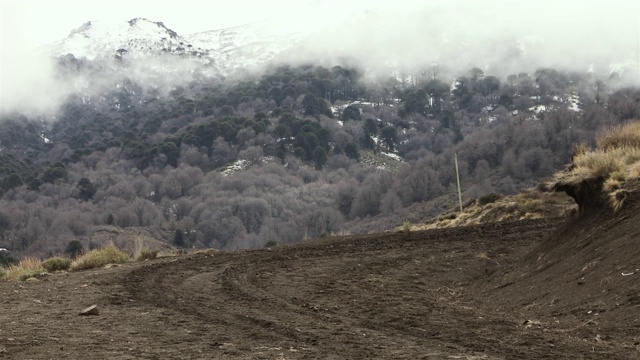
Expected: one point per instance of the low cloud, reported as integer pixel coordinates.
(501, 37)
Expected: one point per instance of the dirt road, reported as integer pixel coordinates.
(441, 294)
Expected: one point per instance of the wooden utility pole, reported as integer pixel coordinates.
(458, 178)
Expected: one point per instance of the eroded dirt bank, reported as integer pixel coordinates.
(477, 292)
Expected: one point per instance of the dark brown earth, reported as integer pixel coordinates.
(533, 289)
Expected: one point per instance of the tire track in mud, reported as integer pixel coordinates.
(396, 295)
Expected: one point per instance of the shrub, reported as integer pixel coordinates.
(178, 238)
(3, 272)
(26, 268)
(406, 226)
(622, 136)
(146, 254)
(74, 248)
(56, 264)
(99, 257)
(532, 206)
(271, 243)
(634, 171)
(615, 161)
(6, 259)
(598, 164)
(489, 198)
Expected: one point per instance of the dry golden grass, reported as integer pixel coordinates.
(617, 198)
(98, 258)
(634, 171)
(627, 135)
(612, 184)
(615, 161)
(172, 253)
(529, 204)
(599, 164)
(579, 149)
(146, 254)
(25, 269)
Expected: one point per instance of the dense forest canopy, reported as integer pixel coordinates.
(292, 153)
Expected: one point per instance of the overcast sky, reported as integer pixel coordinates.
(38, 22)
(29, 23)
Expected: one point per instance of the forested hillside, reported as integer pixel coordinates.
(292, 153)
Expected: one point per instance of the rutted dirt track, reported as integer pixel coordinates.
(443, 294)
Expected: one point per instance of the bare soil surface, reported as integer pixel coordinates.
(531, 289)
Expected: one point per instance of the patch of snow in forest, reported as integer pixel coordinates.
(340, 122)
(492, 118)
(538, 109)
(392, 155)
(236, 166)
(454, 85)
(574, 101)
(375, 139)
(487, 109)
(46, 141)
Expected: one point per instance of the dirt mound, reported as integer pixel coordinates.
(585, 277)
(529, 204)
(130, 240)
(530, 289)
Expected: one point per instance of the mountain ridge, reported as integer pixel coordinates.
(138, 37)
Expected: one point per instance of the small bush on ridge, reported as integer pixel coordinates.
(26, 268)
(271, 243)
(146, 254)
(98, 258)
(615, 161)
(56, 264)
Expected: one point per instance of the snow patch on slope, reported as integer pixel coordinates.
(136, 38)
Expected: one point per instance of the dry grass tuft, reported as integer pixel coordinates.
(531, 206)
(146, 254)
(598, 164)
(611, 185)
(57, 264)
(634, 171)
(98, 258)
(25, 269)
(622, 136)
(615, 161)
(617, 198)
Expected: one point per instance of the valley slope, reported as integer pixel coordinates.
(544, 289)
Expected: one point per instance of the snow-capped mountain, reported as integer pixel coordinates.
(225, 49)
(364, 38)
(133, 39)
(246, 45)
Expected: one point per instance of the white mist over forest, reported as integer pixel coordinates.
(381, 37)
